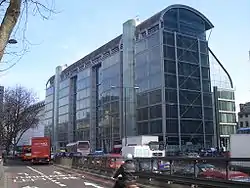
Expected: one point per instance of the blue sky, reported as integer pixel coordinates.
(84, 25)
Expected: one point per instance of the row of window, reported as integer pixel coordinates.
(187, 127)
(83, 74)
(64, 84)
(64, 92)
(226, 105)
(63, 118)
(63, 110)
(63, 101)
(191, 112)
(83, 94)
(83, 83)
(188, 83)
(82, 114)
(227, 117)
(111, 60)
(242, 124)
(84, 103)
(186, 97)
(147, 43)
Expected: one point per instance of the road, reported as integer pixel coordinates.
(45, 176)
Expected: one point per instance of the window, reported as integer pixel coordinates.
(227, 118)
(85, 103)
(207, 99)
(142, 128)
(63, 110)
(190, 97)
(142, 99)
(168, 38)
(226, 95)
(227, 105)
(155, 112)
(186, 69)
(204, 47)
(246, 115)
(155, 96)
(84, 83)
(83, 114)
(171, 96)
(153, 40)
(172, 126)
(63, 118)
(187, 42)
(49, 91)
(191, 127)
(208, 113)
(209, 127)
(227, 129)
(64, 92)
(190, 112)
(83, 94)
(247, 125)
(241, 124)
(171, 111)
(170, 81)
(64, 84)
(170, 66)
(155, 127)
(189, 83)
(83, 74)
(63, 101)
(142, 114)
(188, 56)
(169, 52)
(205, 73)
(155, 81)
(206, 85)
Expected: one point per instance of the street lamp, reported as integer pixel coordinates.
(124, 110)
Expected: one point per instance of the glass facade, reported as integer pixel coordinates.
(224, 102)
(169, 65)
(48, 118)
(108, 96)
(83, 100)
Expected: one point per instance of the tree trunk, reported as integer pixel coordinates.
(9, 21)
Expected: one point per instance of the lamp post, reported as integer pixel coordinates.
(124, 110)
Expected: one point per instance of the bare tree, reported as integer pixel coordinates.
(20, 113)
(12, 14)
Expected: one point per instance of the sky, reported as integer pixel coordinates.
(81, 26)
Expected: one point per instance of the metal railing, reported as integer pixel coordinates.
(205, 172)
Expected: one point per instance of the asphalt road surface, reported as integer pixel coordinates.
(44, 176)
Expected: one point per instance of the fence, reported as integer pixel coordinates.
(206, 172)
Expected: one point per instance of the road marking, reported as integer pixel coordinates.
(30, 187)
(58, 173)
(92, 184)
(45, 176)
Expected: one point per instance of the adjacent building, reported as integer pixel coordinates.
(153, 79)
(244, 115)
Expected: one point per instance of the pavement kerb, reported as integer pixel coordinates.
(88, 174)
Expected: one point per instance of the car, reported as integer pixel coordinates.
(189, 170)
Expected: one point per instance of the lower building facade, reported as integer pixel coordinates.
(154, 79)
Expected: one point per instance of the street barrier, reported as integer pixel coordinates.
(205, 172)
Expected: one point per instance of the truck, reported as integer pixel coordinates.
(40, 150)
(143, 146)
(239, 149)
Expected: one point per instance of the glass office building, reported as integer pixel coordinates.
(223, 102)
(153, 79)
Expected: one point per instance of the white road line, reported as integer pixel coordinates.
(45, 176)
(93, 185)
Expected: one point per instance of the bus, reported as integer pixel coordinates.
(82, 147)
(26, 153)
(245, 130)
(117, 147)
